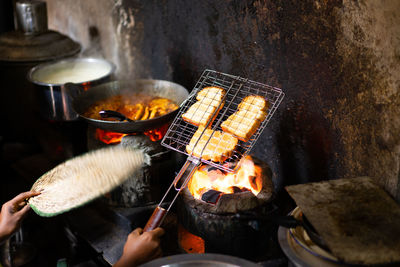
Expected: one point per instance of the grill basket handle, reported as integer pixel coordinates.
(159, 213)
(155, 219)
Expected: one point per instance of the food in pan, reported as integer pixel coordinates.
(220, 146)
(135, 106)
(209, 100)
(245, 121)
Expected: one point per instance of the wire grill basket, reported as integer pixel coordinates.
(237, 88)
(207, 111)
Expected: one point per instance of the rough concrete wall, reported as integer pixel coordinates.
(368, 116)
(337, 61)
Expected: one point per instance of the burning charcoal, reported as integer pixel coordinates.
(238, 189)
(209, 168)
(211, 196)
(214, 175)
(212, 172)
(231, 164)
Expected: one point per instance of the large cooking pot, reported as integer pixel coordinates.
(49, 80)
(159, 88)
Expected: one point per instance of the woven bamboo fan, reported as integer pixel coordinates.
(84, 178)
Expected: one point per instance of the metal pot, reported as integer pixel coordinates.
(49, 79)
(20, 50)
(160, 88)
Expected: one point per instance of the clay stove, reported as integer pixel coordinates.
(211, 205)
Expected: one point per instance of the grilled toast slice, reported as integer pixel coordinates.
(245, 121)
(220, 146)
(209, 99)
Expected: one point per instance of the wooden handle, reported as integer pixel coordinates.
(155, 219)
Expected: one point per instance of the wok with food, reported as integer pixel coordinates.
(147, 104)
(134, 107)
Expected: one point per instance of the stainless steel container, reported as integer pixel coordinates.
(49, 78)
(31, 43)
(31, 16)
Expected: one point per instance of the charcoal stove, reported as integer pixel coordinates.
(216, 220)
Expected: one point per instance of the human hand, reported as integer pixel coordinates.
(12, 214)
(141, 247)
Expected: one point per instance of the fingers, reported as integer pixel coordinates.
(21, 197)
(138, 231)
(24, 211)
(158, 232)
(135, 233)
(153, 234)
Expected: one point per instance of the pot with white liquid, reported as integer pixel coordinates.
(53, 97)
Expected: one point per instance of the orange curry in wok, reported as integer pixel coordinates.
(136, 106)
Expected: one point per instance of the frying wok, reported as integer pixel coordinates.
(82, 101)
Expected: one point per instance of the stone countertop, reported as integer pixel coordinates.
(102, 234)
(106, 230)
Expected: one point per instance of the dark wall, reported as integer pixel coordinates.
(6, 16)
(337, 61)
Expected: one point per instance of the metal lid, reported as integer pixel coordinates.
(32, 41)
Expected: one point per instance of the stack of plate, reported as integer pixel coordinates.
(300, 249)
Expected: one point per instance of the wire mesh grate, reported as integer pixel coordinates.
(236, 89)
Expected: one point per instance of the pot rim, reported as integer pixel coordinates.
(204, 259)
(64, 61)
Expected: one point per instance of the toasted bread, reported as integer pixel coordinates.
(220, 146)
(201, 112)
(245, 121)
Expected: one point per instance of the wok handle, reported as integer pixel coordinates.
(286, 221)
(156, 219)
(114, 114)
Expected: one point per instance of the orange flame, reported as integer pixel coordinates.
(247, 176)
(157, 134)
(108, 137)
(86, 85)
